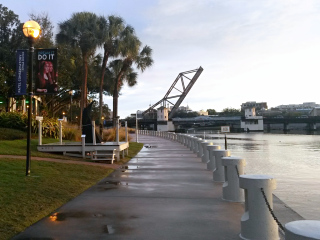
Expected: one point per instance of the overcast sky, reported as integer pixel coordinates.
(250, 50)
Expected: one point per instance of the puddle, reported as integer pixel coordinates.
(64, 215)
(149, 146)
(108, 229)
(112, 183)
(129, 167)
(36, 238)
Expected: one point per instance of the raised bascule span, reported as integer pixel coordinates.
(192, 76)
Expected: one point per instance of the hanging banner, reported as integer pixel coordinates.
(46, 78)
(21, 72)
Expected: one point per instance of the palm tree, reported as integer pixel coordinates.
(142, 60)
(111, 49)
(86, 31)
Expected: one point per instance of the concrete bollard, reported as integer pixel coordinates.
(195, 144)
(218, 170)
(199, 147)
(257, 221)
(233, 167)
(189, 142)
(211, 158)
(186, 140)
(205, 153)
(302, 230)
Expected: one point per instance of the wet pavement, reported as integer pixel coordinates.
(165, 192)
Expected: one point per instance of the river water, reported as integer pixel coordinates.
(292, 159)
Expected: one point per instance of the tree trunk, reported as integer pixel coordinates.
(115, 98)
(83, 102)
(103, 70)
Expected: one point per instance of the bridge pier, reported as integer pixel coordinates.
(268, 127)
(312, 126)
(285, 127)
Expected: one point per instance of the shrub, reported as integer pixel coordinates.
(71, 132)
(109, 135)
(12, 134)
(131, 130)
(14, 120)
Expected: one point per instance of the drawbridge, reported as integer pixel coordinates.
(182, 87)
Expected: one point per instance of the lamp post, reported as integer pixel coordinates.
(137, 128)
(71, 93)
(31, 30)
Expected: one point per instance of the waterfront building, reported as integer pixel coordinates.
(163, 123)
(251, 122)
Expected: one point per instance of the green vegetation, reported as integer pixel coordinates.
(211, 112)
(80, 65)
(231, 112)
(13, 120)
(11, 134)
(25, 200)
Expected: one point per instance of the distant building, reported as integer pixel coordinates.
(258, 106)
(298, 107)
(184, 109)
(202, 112)
(315, 112)
(162, 120)
(251, 122)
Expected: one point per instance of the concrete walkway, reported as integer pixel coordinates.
(165, 192)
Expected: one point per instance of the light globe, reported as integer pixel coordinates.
(31, 29)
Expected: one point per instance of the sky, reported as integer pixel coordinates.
(250, 50)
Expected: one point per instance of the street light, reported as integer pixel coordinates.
(31, 30)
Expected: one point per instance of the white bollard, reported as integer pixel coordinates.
(40, 133)
(190, 139)
(199, 147)
(302, 230)
(60, 131)
(233, 167)
(218, 170)
(205, 153)
(211, 160)
(83, 145)
(194, 144)
(257, 221)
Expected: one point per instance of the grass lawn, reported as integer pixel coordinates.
(19, 147)
(25, 200)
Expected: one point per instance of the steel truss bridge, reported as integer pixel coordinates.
(179, 84)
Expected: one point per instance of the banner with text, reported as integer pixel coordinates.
(21, 72)
(46, 71)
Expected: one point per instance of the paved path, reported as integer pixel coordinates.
(165, 192)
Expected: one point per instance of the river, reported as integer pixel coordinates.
(292, 159)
